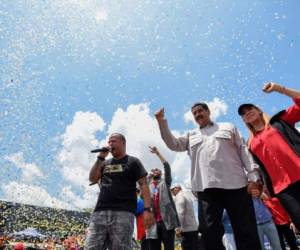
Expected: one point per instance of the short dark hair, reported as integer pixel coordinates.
(122, 137)
(202, 104)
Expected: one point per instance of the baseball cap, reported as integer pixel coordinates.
(175, 185)
(245, 105)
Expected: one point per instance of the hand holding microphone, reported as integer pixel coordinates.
(103, 149)
(103, 152)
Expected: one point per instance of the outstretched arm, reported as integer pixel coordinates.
(272, 86)
(176, 144)
(167, 168)
(292, 114)
(154, 150)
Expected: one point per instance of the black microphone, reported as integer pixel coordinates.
(103, 149)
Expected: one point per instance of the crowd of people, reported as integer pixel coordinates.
(48, 243)
(33, 227)
(247, 193)
(257, 185)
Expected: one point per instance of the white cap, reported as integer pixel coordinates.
(174, 185)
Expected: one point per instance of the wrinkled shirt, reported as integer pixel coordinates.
(185, 210)
(218, 153)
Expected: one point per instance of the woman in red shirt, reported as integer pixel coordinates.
(275, 144)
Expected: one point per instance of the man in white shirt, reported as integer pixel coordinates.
(219, 159)
(189, 226)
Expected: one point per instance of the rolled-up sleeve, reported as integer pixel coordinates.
(292, 113)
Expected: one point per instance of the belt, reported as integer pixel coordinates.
(262, 223)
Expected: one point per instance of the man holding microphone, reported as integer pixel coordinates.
(113, 219)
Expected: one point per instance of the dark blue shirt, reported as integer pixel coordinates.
(262, 213)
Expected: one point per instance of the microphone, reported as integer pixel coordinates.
(103, 149)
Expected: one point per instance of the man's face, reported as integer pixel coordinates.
(156, 173)
(117, 145)
(175, 190)
(201, 115)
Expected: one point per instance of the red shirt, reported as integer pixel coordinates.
(280, 161)
(280, 216)
(140, 227)
(156, 208)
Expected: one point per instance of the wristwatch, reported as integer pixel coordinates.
(149, 209)
(100, 158)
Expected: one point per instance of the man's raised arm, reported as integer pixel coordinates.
(173, 143)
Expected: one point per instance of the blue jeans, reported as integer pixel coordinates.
(269, 230)
(112, 229)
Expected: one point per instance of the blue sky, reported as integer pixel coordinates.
(73, 71)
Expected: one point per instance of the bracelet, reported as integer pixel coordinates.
(100, 158)
(149, 209)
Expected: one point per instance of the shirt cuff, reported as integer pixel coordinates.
(254, 176)
(297, 100)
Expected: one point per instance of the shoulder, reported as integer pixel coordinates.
(134, 160)
(225, 126)
(277, 116)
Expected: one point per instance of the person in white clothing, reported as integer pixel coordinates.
(222, 170)
(189, 226)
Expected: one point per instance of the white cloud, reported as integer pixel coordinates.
(29, 170)
(78, 139)
(87, 200)
(141, 130)
(30, 194)
(217, 108)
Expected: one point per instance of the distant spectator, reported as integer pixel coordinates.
(19, 246)
(189, 226)
(163, 207)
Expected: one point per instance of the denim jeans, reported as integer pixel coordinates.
(269, 230)
(112, 229)
(228, 241)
